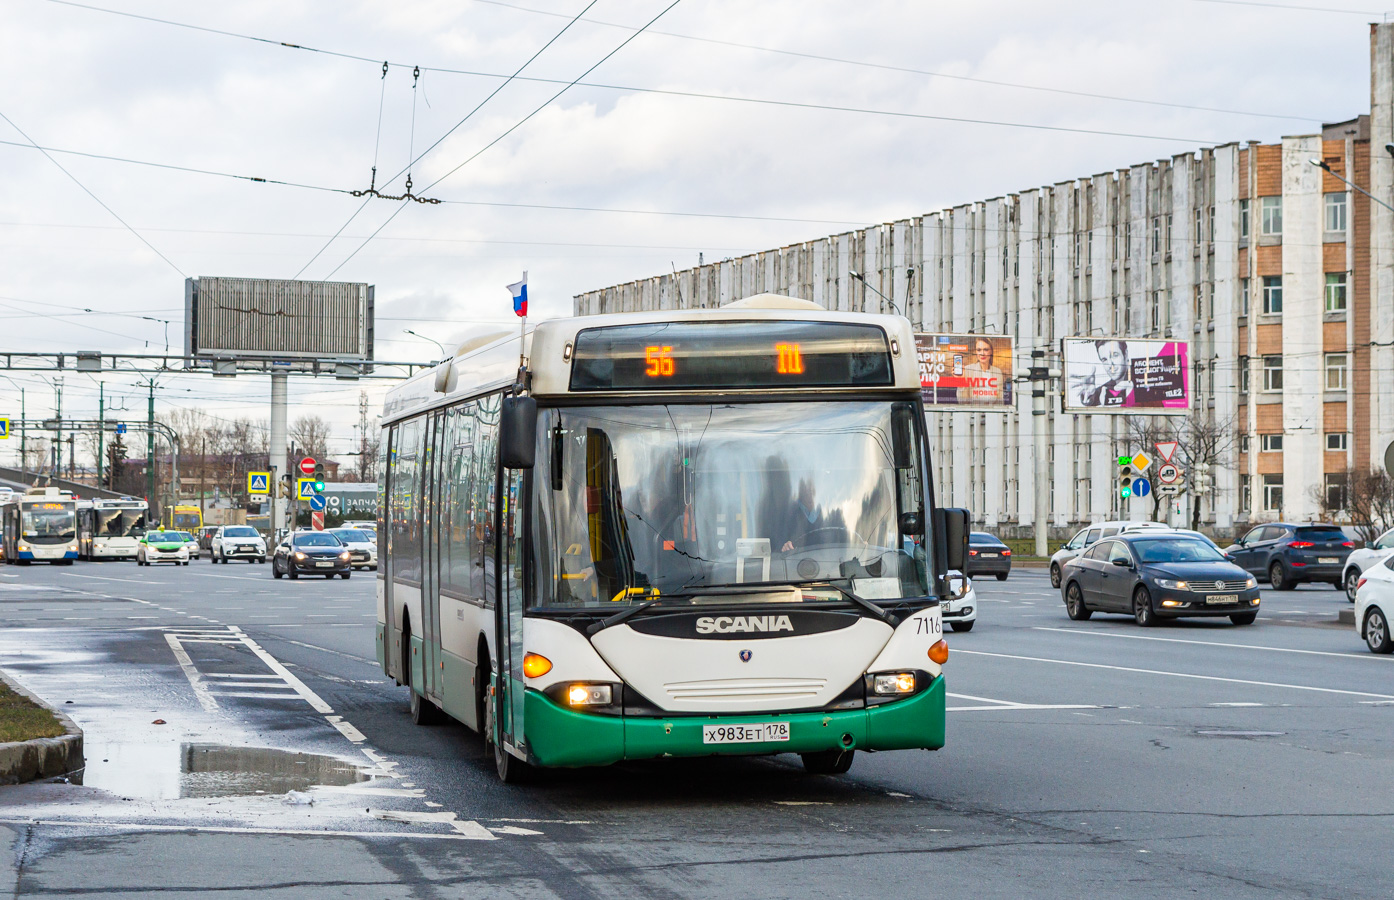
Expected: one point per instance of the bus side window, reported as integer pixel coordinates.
(486, 463)
(460, 543)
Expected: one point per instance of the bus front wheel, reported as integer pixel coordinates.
(511, 769)
(828, 762)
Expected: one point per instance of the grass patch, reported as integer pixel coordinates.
(22, 720)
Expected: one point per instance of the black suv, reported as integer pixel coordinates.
(1292, 554)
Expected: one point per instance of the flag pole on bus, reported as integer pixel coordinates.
(519, 290)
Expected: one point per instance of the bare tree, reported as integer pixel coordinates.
(311, 436)
(1200, 441)
(1368, 500)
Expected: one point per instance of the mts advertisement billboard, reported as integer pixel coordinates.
(966, 371)
(1133, 376)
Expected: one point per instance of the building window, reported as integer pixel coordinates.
(1335, 291)
(1243, 443)
(1273, 493)
(1338, 440)
(1243, 374)
(1243, 219)
(1157, 234)
(1336, 368)
(1271, 443)
(1243, 296)
(1336, 211)
(1272, 215)
(1335, 488)
(1272, 295)
(1245, 486)
(1200, 234)
(1272, 373)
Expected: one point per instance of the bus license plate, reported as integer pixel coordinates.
(758, 732)
(1223, 598)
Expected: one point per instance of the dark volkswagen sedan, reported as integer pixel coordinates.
(311, 553)
(1153, 575)
(987, 556)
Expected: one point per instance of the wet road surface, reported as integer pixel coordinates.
(1083, 759)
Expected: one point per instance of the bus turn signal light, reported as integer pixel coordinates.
(536, 665)
(939, 652)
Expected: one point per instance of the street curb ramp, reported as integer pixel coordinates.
(23, 761)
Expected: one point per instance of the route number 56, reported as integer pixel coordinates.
(658, 361)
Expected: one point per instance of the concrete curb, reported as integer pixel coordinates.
(23, 761)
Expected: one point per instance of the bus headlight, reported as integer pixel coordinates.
(899, 683)
(588, 695)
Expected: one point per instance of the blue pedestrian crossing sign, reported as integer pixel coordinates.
(317, 502)
(258, 482)
(120, 427)
(305, 489)
(4, 428)
(1141, 487)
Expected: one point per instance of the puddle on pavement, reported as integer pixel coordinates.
(173, 771)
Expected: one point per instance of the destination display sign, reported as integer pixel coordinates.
(730, 354)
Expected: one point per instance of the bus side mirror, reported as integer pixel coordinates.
(911, 524)
(951, 525)
(518, 432)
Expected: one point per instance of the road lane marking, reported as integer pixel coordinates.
(1140, 637)
(105, 578)
(1011, 704)
(1272, 684)
(227, 829)
(275, 665)
(238, 675)
(205, 699)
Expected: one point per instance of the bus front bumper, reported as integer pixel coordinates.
(558, 736)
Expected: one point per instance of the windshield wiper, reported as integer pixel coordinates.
(762, 587)
(619, 617)
(890, 619)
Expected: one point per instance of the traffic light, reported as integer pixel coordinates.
(318, 483)
(1125, 480)
(287, 487)
(1200, 478)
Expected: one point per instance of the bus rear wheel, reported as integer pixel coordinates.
(828, 762)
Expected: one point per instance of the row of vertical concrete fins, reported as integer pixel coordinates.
(1154, 249)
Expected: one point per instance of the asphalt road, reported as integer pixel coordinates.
(1084, 759)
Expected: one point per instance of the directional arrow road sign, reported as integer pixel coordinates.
(317, 503)
(1141, 487)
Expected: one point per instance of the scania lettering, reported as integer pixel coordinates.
(686, 533)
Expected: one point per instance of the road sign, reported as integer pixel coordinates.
(258, 482)
(1168, 474)
(4, 428)
(317, 521)
(317, 503)
(1166, 449)
(1168, 489)
(307, 466)
(120, 427)
(304, 488)
(1141, 462)
(1141, 487)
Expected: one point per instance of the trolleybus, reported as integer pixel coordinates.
(110, 529)
(40, 525)
(679, 533)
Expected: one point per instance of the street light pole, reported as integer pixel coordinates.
(424, 338)
(866, 284)
(1322, 164)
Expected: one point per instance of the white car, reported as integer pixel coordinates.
(1364, 558)
(960, 614)
(1374, 604)
(1085, 538)
(237, 542)
(191, 542)
(362, 545)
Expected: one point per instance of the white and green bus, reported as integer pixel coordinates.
(677, 533)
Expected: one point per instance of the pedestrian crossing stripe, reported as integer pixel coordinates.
(258, 482)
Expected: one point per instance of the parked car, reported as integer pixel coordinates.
(1289, 554)
(237, 542)
(1374, 604)
(960, 614)
(988, 556)
(1085, 538)
(195, 552)
(205, 536)
(1153, 574)
(1363, 558)
(310, 553)
(362, 544)
(162, 546)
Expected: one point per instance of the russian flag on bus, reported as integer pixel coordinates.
(519, 290)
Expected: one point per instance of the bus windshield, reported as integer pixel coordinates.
(119, 523)
(685, 499)
(51, 522)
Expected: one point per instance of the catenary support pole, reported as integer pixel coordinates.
(1040, 412)
(101, 428)
(278, 447)
(150, 497)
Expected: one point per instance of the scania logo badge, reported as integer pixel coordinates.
(745, 655)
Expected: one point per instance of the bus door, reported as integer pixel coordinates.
(432, 461)
(510, 608)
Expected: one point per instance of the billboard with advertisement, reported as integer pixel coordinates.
(1126, 375)
(963, 371)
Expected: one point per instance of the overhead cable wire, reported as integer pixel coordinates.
(512, 128)
(89, 193)
(412, 161)
(1294, 7)
(774, 50)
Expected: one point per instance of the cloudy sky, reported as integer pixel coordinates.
(666, 125)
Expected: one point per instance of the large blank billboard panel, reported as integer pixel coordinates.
(1117, 375)
(278, 319)
(966, 371)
